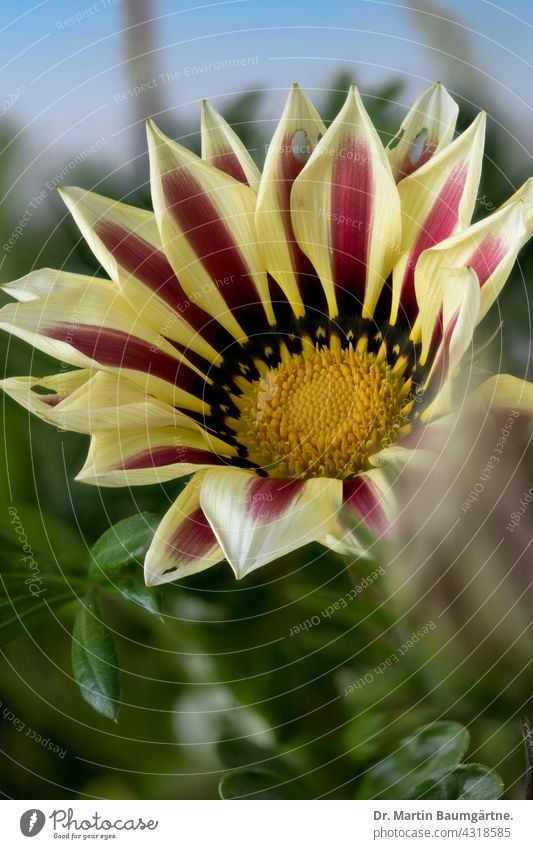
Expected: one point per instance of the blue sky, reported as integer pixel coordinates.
(65, 84)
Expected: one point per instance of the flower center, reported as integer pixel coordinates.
(323, 413)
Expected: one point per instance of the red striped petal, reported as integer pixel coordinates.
(439, 224)
(166, 455)
(352, 212)
(269, 499)
(487, 256)
(229, 163)
(193, 539)
(138, 257)
(363, 499)
(213, 243)
(114, 348)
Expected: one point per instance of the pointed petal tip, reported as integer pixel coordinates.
(70, 192)
(353, 99)
(208, 109)
(238, 570)
(153, 132)
(152, 579)
(296, 96)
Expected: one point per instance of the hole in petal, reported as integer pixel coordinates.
(418, 146)
(300, 145)
(43, 390)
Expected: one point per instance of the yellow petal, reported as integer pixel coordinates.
(437, 201)
(368, 508)
(293, 142)
(183, 543)
(460, 298)
(94, 327)
(147, 455)
(222, 147)
(206, 222)
(257, 520)
(489, 248)
(48, 281)
(126, 242)
(85, 402)
(426, 130)
(42, 396)
(346, 213)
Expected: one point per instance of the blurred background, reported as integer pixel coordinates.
(224, 680)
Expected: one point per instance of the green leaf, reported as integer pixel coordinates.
(467, 781)
(124, 543)
(433, 747)
(251, 784)
(30, 597)
(135, 590)
(94, 660)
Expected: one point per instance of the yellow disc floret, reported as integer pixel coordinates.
(322, 413)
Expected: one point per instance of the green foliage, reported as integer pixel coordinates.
(466, 781)
(94, 660)
(33, 591)
(124, 543)
(114, 558)
(426, 765)
(132, 588)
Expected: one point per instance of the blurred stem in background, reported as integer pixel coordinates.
(141, 66)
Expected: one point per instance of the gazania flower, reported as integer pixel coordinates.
(285, 337)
